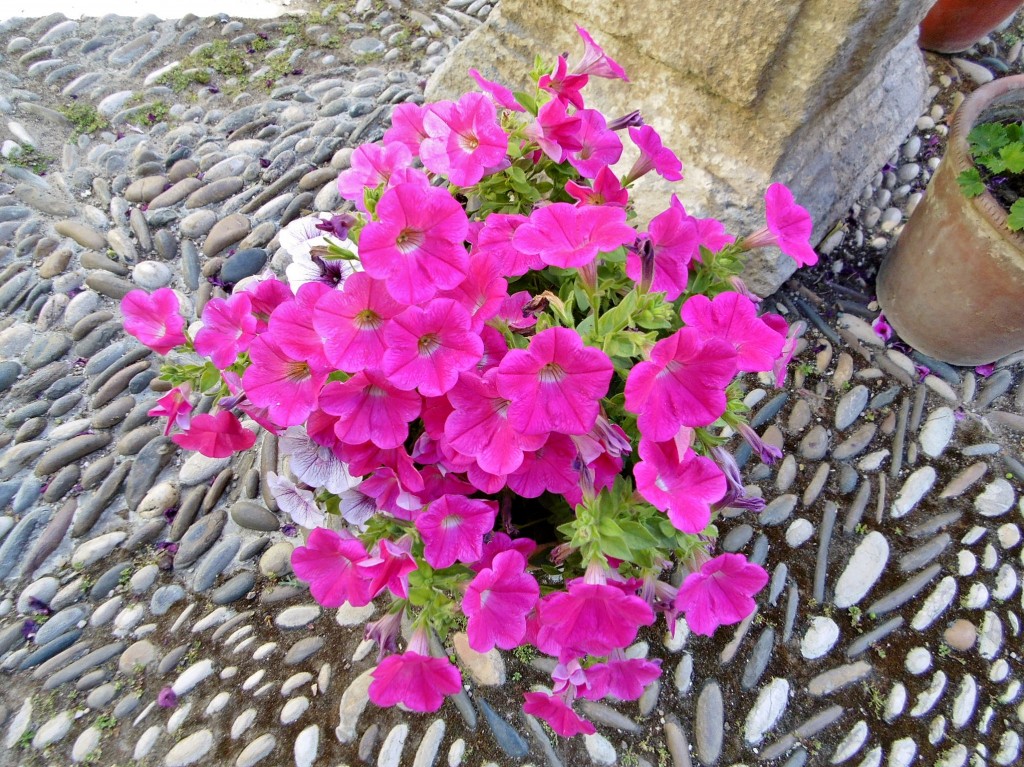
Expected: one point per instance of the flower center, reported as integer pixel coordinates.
(296, 371)
(551, 373)
(429, 344)
(409, 240)
(468, 142)
(451, 522)
(368, 319)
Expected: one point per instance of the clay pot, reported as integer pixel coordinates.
(956, 25)
(953, 285)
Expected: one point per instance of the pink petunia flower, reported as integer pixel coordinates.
(551, 468)
(389, 494)
(789, 227)
(673, 244)
(417, 245)
(483, 291)
(564, 86)
(228, 328)
(407, 127)
(599, 148)
(606, 189)
(154, 319)
(882, 328)
(555, 131)
(296, 502)
(478, 425)
(557, 713)
(495, 239)
(500, 542)
(389, 568)
(683, 383)
(595, 61)
(683, 484)
(372, 165)
(328, 563)
(733, 318)
(589, 619)
(464, 139)
(352, 320)
(497, 601)
(418, 682)
(621, 678)
(796, 330)
(428, 348)
(720, 593)
(370, 409)
(710, 231)
(216, 436)
(653, 156)
(556, 384)
(266, 295)
(291, 325)
(502, 96)
(453, 529)
(175, 407)
(567, 236)
(286, 386)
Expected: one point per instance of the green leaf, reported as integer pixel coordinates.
(1016, 219)
(527, 102)
(970, 182)
(988, 138)
(1012, 156)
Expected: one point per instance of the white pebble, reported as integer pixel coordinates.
(918, 661)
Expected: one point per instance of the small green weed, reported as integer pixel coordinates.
(85, 119)
(29, 157)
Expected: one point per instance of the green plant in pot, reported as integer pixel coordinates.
(953, 285)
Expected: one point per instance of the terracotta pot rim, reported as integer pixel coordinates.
(958, 149)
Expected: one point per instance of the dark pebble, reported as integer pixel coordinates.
(252, 516)
(50, 649)
(233, 589)
(242, 264)
(505, 735)
(147, 465)
(199, 538)
(84, 665)
(100, 500)
(108, 581)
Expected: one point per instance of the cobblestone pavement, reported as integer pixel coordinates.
(889, 633)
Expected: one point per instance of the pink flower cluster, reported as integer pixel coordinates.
(435, 363)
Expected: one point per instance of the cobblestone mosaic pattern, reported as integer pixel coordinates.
(890, 632)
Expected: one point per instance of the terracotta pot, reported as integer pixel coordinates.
(956, 25)
(953, 285)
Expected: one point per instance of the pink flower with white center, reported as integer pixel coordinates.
(733, 318)
(296, 502)
(407, 127)
(595, 61)
(215, 436)
(564, 86)
(621, 678)
(453, 529)
(789, 227)
(590, 619)
(175, 407)
(497, 601)
(500, 542)
(352, 320)
(228, 329)
(682, 484)
(478, 425)
(370, 409)
(389, 568)
(372, 165)
(286, 386)
(606, 189)
(366, 458)
(674, 243)
(315, 464)
(600, 147)
(153, 318)
(557, 713)
(292, 326)
(683, 384)
(266, 295)
(555, 131)
(464, 139)
(495, 239)
(417, 245)
(386, 489)
(415, 679)
(567, 236)
(721, 593)
(554, 385)
(328, 563)
(550, 468)
(653, 156)
(428, 348)
(482, 292)
(710, 231)
(502, 96)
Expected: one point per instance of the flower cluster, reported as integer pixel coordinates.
(489, 340)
